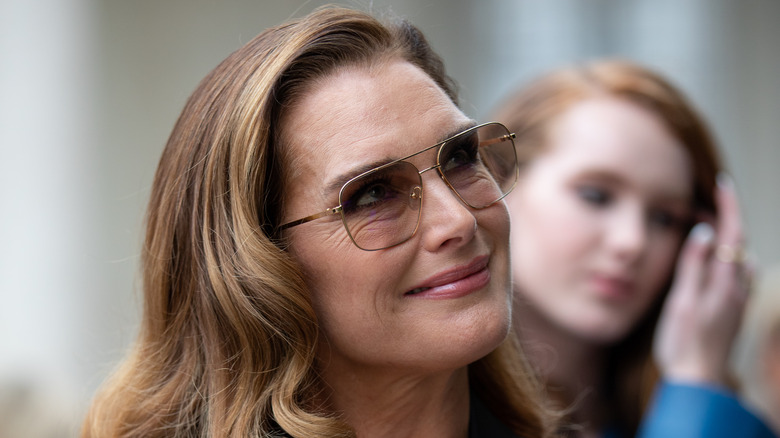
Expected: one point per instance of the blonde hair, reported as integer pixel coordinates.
(228, 335)
(529, 113)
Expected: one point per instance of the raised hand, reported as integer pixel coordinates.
(703, 311)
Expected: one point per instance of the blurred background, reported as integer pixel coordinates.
(89, 91)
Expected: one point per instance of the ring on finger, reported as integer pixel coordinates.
(729, 254)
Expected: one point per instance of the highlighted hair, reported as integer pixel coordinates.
(227, 340)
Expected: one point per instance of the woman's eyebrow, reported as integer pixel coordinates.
(338, 182)
(457, 130)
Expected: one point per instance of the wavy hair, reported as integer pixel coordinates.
(529, 113)
(227, 341)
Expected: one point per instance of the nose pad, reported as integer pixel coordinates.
(453, 191)
(415, 198)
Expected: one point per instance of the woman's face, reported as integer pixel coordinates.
(598, 217)
(355, 119)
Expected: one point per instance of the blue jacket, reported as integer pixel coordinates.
(699, 411)
(677, 411)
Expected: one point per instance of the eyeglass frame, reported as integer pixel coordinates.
(339, 209)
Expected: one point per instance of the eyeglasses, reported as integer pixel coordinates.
(381, 208)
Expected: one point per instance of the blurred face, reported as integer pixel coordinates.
(598, 217)
(437, 301)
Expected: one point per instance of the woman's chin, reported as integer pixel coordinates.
(470, 342)
(602, 333)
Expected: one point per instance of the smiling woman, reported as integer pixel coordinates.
(457, 261)
(263, 317)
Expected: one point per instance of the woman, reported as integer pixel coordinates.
(295, 284)
(616, 167)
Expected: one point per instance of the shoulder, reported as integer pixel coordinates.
(693, 410)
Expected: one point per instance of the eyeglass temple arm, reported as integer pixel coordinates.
(332, 210)
(491, 141)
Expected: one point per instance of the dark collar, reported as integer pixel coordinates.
(482, 422)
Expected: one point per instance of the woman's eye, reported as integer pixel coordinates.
(462, 153)
(368, 195)
(595, 195)
(372, 194)
(663, 219)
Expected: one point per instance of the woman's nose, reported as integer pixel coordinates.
(627, 233)
(445, 221)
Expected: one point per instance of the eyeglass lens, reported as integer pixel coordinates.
(382, 208)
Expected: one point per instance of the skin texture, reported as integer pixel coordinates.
(389, 357)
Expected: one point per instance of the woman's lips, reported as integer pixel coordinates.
(456, 282)
(612, 286)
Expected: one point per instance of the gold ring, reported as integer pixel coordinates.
(729, 254)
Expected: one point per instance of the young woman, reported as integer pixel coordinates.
(617, 295)
(296, 284)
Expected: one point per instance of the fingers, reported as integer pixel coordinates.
(729, 226)
(692, 264)
(727, 269)
(682, 346)
(705, 305)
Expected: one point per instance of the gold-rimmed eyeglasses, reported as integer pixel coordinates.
(381, 208)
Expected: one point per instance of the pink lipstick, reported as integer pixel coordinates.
(456, 282)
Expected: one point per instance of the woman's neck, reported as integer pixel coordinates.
(378, 404)
(571, 368)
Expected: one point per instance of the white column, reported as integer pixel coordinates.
(48, 181)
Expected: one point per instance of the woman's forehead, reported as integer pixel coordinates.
(618, 137)
(360, 115)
